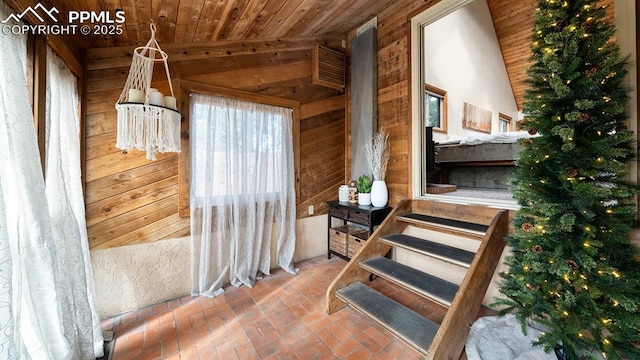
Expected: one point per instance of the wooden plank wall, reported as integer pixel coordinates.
(130, 200)
(322, 148)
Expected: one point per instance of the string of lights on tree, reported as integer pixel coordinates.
(572, 269)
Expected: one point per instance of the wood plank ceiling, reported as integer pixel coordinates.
(184, 22)
(202, 21)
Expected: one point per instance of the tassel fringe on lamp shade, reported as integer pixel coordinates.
(147, 120)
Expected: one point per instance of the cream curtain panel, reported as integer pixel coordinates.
(43, 315)
(242, 192)
(63, 184)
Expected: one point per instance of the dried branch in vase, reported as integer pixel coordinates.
(377, 153)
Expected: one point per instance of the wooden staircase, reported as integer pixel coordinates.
(453, 231)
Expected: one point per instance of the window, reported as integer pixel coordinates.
(504, 123)
(238, 149)
(435, 108)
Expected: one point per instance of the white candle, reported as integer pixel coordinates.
(156, 98)
(170, 102)
(135, 96)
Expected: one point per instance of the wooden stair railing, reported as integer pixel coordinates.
(448, 338)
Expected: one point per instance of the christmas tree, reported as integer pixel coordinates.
(572, 268)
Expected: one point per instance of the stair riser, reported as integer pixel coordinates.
(442, 269)
(445, 230)
(460, 242)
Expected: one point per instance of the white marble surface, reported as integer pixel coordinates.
(501, 338)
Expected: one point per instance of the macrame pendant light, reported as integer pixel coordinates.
(147, 120)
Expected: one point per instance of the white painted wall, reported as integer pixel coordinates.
(462, 56)
(131, 277)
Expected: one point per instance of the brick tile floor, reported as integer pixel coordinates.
(281, 317)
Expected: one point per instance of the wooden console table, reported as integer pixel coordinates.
(358, 222)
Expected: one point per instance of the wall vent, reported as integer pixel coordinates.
(328, 67)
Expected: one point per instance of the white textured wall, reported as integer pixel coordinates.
(131, 277)
(462, 57)
(312, 236)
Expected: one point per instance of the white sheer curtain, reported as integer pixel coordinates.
(35, 322)
(242, 192)
(63, 182)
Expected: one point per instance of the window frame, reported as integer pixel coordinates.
(442, 95)
(502, 118)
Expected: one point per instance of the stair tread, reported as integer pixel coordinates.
(427, 285)
(441, 251)
(402, 321)
(468, 226)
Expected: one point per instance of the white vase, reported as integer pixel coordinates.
(379, 193)
(364, 198)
